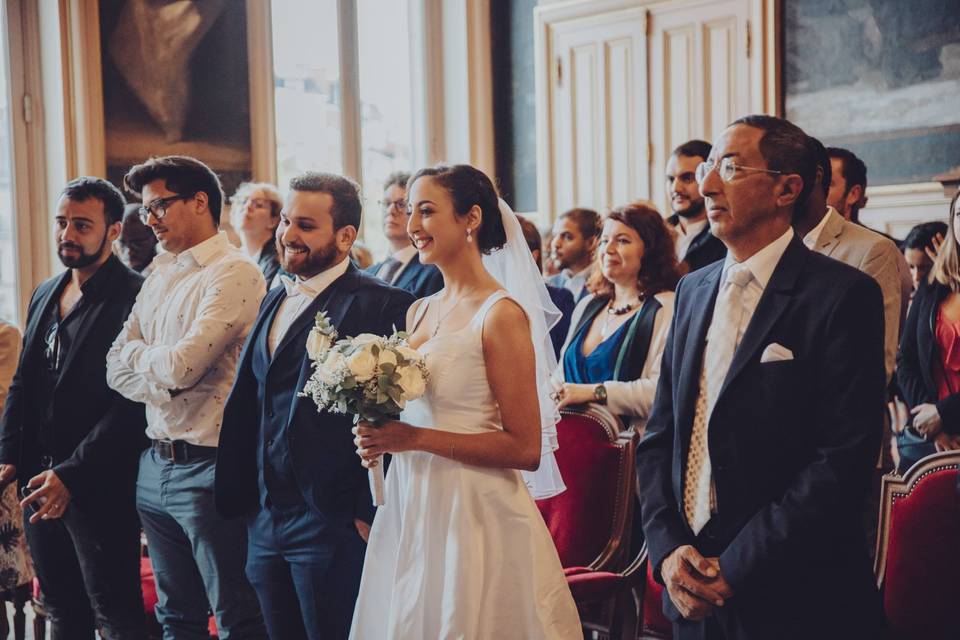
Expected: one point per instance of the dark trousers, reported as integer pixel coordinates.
(88, 563)
(306, 572)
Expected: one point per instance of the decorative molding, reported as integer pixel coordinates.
(83, 88)
(263, 132)
(349, 45)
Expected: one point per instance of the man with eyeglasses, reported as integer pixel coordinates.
(177, 353)
(763, 436)
(696, 246)
(69, 440)
(403, 268)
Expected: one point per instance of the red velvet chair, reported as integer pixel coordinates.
(614, 591)
(653, 624)
(917, 564)
(589, 521)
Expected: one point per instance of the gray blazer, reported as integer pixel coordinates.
(879, 258)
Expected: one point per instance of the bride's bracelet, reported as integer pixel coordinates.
(452, 450)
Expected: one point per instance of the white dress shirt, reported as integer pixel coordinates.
(685, 238)
(178, 350)
(813, 236)
(575, 282)
(300, 294)
(761, 265)
(404, 256)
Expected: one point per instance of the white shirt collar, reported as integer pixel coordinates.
(404, 255)
(693, 228)
(813, 236)
(763, 263)
(316, 285)
(205, 252)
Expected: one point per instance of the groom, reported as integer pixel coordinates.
(293, 471)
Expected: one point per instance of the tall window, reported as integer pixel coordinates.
(8, 262)
(309, 78)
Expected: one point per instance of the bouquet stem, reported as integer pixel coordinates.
(376, 482)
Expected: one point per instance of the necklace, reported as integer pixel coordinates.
(612, 312)
(440, 318)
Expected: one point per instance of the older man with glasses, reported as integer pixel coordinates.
(402, 268)
(70, 441)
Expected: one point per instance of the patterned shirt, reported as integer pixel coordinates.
(178, 350)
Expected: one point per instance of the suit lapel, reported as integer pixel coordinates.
(699, 240)
(829, 238)
(261, 328)
(773, 302)
(408, 273)
(336, 305)
(48, 298)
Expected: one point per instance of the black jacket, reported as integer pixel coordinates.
(705, 249)
(792, 446)
(98, 433)
(919, 354)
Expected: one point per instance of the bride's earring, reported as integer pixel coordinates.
(469, 236)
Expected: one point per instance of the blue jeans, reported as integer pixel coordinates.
(198, 557)
(912, 448)
(306, 570)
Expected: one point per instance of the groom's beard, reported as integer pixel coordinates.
(311, 263)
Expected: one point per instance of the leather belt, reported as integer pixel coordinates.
(180, 451)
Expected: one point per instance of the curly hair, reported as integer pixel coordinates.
(659, 270)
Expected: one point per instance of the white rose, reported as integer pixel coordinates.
(410, 355)
(387, 357)
(317, 344)
(362, 365)
(412, 382)
(365, 339)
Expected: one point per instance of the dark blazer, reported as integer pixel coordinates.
(563, 300)
(919, 354)
(705, 249)
(421, 280)
(323, 457)
(268, 262)
(792, 446)
(99, 433)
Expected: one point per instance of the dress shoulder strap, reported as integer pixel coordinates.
(491, 300)
(421, 312)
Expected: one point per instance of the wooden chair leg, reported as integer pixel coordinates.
(21, 595)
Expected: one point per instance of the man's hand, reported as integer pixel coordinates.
(720, 583)
(692, 583)
(49, 493)
(362, 528)
(926, 420)
(7, 473)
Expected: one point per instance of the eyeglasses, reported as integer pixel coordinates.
(400, 204)
(728, 169)
(159, 207)
(52, 353)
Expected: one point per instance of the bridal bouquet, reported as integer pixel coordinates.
(372, 377)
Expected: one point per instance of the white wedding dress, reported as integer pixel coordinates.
(459, 551)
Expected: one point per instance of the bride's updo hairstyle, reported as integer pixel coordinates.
(467, 187)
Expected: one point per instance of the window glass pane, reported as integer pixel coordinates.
(385, 96)
(8, 262)
(306, 71)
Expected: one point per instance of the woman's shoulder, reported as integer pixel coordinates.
(666, 300)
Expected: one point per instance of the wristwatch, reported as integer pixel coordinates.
(600, 393)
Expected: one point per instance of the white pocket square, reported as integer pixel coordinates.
(776, 353)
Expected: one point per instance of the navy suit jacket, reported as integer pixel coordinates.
(421, 280)
(792, 445)
(327, 469)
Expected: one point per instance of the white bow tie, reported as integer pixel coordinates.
(296, 288)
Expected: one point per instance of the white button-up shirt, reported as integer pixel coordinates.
(761, 265)
(178, 350)
(300, 294)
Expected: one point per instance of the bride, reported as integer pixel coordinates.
(459, 550)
